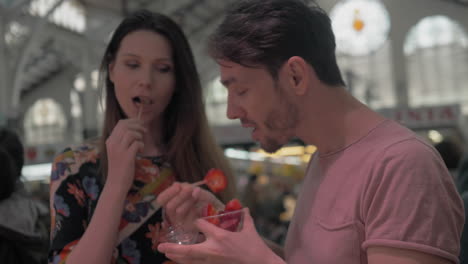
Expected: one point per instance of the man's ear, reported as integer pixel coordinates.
(298, 74)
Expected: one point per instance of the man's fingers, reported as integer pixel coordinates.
(248, 222)
(187, 251)
(185, 254)
(208, 229)
(185, 260)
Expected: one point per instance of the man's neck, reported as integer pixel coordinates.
(336, 121)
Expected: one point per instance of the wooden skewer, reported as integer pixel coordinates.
(139, 112)
(143, 101)
(198, 183)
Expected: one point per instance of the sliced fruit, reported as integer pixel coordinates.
(215, 180)
(231, 215)
(230, 225)
(209, 210)
(233, 205)
(214, 220)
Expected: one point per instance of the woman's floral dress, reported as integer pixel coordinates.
(75, 188)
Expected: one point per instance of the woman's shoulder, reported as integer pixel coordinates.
(73, 157)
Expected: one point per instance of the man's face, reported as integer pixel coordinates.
(261, 103)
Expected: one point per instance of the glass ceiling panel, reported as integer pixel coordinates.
(70, 14)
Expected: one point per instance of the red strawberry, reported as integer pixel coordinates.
(214, 220)
(233, 205)
(216, 180)
(230, 225)
(231, 215)
(209, 210)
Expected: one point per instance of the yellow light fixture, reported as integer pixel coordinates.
(358, 23)
(263, 179)
(310, 149)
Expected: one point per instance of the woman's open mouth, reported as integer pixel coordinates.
(142, 100)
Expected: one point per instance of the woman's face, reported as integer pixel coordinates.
(143, 75)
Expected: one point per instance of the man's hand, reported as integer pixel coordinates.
(222, 246)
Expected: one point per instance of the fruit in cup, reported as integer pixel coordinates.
(209, 210)
(228, 219)
(233, 205)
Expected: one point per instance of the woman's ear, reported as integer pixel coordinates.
(298, 74)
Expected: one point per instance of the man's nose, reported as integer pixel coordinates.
(234, 111)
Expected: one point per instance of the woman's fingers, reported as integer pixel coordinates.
(131, 136)
(186, 209)
(168, 194)
(136, 146)
(184, 196)
(205, 197)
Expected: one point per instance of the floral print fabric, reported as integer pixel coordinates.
(75, 189)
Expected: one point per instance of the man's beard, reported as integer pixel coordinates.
(281, 123)
(271, 145)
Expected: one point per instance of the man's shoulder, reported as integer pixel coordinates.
(394, 139)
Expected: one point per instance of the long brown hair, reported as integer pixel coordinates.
(191, 148)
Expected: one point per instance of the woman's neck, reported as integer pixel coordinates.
(153, 140)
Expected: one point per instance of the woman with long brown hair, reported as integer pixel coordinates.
(103, 194)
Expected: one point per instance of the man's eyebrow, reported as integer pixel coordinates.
(228, 81)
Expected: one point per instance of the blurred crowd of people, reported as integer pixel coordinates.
(24, 220)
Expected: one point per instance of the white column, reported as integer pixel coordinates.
(400, 71)
(90, 97)
(4, 86)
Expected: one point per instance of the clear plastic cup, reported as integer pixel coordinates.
(179, 235)
(230, 220)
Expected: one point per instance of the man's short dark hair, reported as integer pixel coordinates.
(266, 33)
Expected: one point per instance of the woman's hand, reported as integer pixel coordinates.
(182, 202)
(122, 146)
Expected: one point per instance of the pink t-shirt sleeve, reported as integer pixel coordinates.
(411, 202)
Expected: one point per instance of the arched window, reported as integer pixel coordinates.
(44, 123)
(436, 50)
(361, 30)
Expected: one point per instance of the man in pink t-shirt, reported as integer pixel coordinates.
(374, 193)
(386, 189)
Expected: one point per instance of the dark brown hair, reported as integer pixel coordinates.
(266, 33)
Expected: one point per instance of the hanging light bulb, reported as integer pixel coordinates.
(358, 23)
